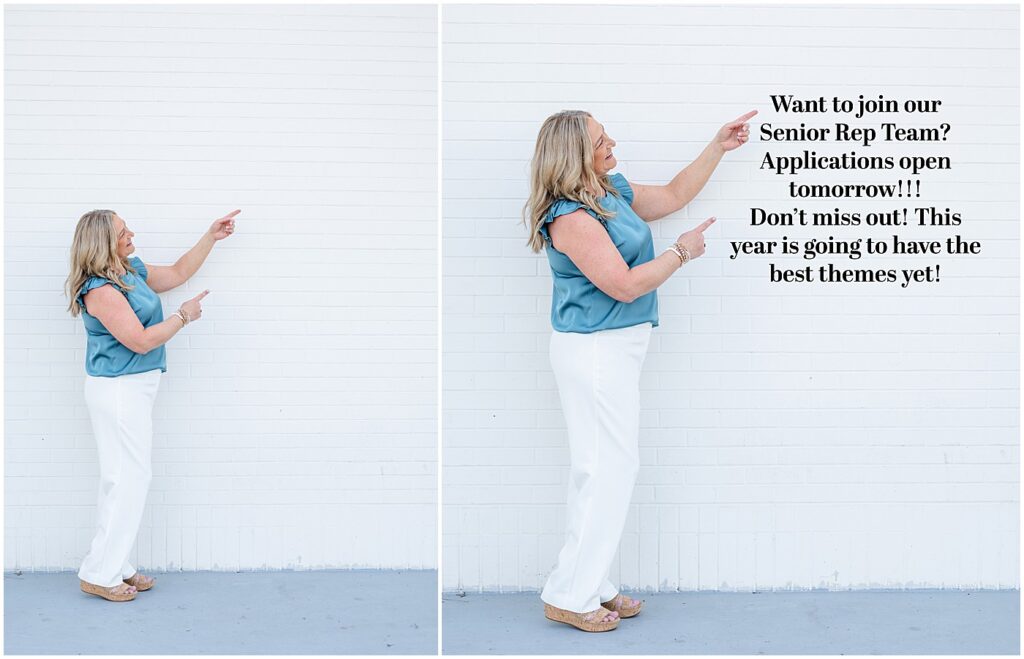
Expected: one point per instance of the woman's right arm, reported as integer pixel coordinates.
(582, 238)
(111, 308)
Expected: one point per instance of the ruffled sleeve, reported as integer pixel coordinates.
(91, 283)
(622, 185)
(139, 266)
(563, 207)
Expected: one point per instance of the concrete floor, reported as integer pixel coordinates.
(809, 622)
(320, 612)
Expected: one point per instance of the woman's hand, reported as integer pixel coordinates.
(693, 240)
(223, 227)
(193, 308)
(734, 133)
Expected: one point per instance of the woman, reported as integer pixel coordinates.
(603, 307)
(116, 296)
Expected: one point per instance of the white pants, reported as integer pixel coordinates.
(598, 378)
(121, 409)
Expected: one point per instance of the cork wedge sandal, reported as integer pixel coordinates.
(119, 593)
(142, 582)
(591, 621)
(618, 603)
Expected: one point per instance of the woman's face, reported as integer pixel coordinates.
(125, 246)
(604, 161)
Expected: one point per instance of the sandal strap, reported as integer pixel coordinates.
(597, 615)
(619, 602)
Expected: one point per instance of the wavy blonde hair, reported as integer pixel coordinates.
(94, 254)
(563, 168)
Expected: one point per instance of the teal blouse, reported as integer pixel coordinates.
(105, 356)
(577, 305)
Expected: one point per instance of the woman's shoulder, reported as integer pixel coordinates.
(91, 283)
(560, 207)
(96, 281)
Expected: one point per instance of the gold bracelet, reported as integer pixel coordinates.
(679, 251)
(684, 253)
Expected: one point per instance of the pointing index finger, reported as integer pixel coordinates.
(202, 295)
(740, 120)
(705, 224)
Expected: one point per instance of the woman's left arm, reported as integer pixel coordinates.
(165, 277)
(653, 202)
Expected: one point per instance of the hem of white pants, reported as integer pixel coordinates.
(555, 603)
(94, 582)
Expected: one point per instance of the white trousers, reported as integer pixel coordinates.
(598, 378)
(121, 409)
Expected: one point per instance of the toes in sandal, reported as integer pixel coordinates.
(140, 581)
(593, 621)
(618, 603)
(118, 593)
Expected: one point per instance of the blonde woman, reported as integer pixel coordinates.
(592, 224)
(116, 295)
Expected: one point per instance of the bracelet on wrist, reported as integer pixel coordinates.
(679, 251)
(685, 252)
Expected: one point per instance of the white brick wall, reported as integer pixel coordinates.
(296, 425)
(793, 436)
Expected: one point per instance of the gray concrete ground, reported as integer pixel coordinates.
(319, 612)
(808, 622)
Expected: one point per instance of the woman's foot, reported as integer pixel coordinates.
(598, 620)
(140, 581)
(625, 606)
(122, 592)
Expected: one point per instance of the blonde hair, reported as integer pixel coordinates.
(94, 254)
(563, 168)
